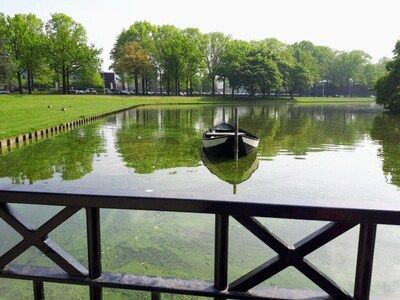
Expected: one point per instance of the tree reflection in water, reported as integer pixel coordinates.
(69, 154)
(386, 130)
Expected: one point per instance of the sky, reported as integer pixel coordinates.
(369, 25)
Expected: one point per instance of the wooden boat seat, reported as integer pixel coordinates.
(223, 133)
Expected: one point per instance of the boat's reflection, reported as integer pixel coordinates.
(231, 170)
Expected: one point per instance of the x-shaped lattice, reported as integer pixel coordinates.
(291, 256)
(38, 238)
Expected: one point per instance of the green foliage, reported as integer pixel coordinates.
(176, 58)
(260, 73)
(170, 51)
(4, 62)
(232, 62)
(23, 43)
(388, 86)
(134, 60)
(216, 44)
(68, 49)
(193, 55)
(348, 67)
(140, 32)
(38, 54)
(298, 79)
(183, 56)
(85, 77)
(304, 56)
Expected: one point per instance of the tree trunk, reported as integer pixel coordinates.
(19, 83)
(263, 94)
(233, 91)
(168, 85)
(223, 87)
(32, 80)
(147, 84)
(191, 87)
(213, 86)
(161, 87)
(64, 83)
(29, 82)
(67, 83)
(187, 87)
(143, 86)
(136, 85)
(176, 85)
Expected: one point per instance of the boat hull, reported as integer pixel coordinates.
(225, 145)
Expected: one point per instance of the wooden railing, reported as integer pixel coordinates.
(341, 220)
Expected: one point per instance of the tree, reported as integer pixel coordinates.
(15, 37)
(317, 59)
(23, 43)
(305, 64)
(216, 44)
(85, 77)
(347, 68)
(260, 72)
(67, 47)
(193, 56)
(4, 62)
(181, 57)
(371, 73)
(134, 61)
(298, 79)
(143, 33)
(232, 62)
(388, 86)
(282, 54)
(170, 51)
(35, 49)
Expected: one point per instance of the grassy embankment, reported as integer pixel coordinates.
(27, 113)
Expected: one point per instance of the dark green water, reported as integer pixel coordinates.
(325, 153)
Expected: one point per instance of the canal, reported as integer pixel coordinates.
(324, 153)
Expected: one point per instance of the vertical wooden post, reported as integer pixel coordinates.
(38, 290)
(94, 249)
(221, 252)
(236, 144)
(155, 296)
(365, 258)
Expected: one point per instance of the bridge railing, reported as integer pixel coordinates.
(70, 271)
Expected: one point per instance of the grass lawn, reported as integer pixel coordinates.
(20, 114)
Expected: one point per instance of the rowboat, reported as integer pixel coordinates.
(220, 140)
